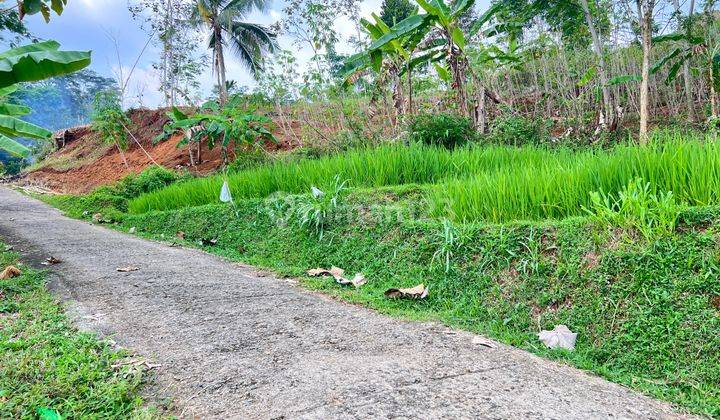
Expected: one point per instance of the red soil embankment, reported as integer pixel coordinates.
(83, 161)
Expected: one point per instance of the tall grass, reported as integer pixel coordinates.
(385, 165)
(495, 183)
(561, 186)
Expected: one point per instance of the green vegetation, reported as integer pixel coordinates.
(49, 369)
(643, 308)
(495, 184)
(111, 200)
(634, 275)
(447, 130)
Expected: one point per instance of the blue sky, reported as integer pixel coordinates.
(85, 25)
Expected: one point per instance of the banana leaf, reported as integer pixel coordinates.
(14, 127)
(39, 64)
(14, 110)
(14, 148)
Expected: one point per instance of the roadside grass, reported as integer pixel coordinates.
(645, 310)
(48, 368)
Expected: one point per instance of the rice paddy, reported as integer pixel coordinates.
(493, 184)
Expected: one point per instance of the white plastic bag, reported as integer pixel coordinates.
(225, 195)
(559, 338)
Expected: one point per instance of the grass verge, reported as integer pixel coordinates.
(50, 370)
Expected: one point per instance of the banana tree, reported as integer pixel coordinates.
(391, 61)
(30, 63)
(443, 39)
(703, 50)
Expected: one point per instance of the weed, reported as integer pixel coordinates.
(47, 367)
(315, 211)
(636, 206)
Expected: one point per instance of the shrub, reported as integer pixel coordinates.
(518, 131)
(447, 130)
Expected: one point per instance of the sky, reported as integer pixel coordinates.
(92, 24)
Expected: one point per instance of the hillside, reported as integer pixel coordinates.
(83, 161)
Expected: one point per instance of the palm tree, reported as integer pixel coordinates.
(249, 41)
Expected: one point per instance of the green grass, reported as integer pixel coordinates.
(382, 166)
(642, 308)
(560, 187)
(47, 367)
(641, 302)
(492, 184)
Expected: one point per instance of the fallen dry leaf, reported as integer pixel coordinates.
(132, 230)
(51, 261)
(338, 274)
(180, 234)
(358, 280)
(482, 341)
(417, 292)
(10, 272)
(715, 301)
(128, 269)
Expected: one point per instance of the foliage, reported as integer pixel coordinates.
(250, 41)
(516, 130)
(179, 66)
(112, 200)
(31, 7)
(219, 125)
(109, 120)
(446, 130)
(642, 310)
(395, 11)
(64, 101)
(636, 207)
(27, 64)
(47, 365)
(315, 211)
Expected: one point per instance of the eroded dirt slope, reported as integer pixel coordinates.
(83, 161)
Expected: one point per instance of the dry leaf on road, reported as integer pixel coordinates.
(417, 292)
(51, 261)
(10, 272)
(482, 341)
(128, 269)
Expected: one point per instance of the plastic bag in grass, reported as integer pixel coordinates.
(225, 195)
(559, 338)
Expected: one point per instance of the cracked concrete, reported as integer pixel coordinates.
(236, 345)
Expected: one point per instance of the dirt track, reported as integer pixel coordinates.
(233, 344)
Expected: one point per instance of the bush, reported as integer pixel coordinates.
(519, 131)
(447, 130)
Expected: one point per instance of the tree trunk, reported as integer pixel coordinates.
(645, 11)
(410, 88)
(602, 71)
(689, 100)
(220, 66)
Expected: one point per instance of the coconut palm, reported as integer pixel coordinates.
(249, 41)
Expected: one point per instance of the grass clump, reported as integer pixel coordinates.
(47, 368)
(382, 166)
(112, 200)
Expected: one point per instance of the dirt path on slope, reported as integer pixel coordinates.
(235, 345)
